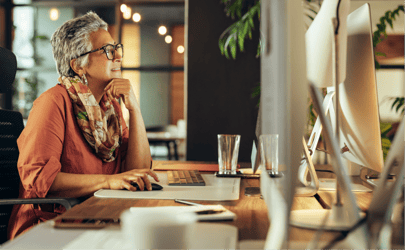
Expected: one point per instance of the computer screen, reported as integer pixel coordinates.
(360, 123)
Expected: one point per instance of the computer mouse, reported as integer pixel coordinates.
(155, 186)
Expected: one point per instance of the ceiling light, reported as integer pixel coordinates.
(168, 39)
(162, 30)
(136, 17)
(127, 13)
(180, 49)
(54, 14)
(123, 7)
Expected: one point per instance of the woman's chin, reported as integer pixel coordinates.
(116, 74)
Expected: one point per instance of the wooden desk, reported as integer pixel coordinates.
(252, 220)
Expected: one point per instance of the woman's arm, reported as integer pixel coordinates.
(138, 153)
(79, 185)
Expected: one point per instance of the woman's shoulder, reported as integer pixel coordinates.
(57, 94)
(56, 91)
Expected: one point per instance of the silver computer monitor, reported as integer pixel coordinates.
(359, 116)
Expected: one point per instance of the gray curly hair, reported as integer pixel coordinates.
(73, 39)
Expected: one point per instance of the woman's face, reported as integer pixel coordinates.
(100, 70)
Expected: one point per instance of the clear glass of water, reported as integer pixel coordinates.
(228, 151)
(269, 152)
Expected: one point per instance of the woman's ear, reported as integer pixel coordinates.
(77, 69)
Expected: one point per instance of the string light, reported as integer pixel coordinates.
(162, 30)
(180, 49)
(127, 13)
(136, 17)
(123, 7)
(54, 14)
(168, 39)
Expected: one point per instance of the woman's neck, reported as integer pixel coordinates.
(97, 91)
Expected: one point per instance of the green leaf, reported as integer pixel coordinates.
(233, 49)
(259, 49)
(385, 127)
(82, 116)
(390, 23)
(380, 53)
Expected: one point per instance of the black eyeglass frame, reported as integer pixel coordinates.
(103, 48)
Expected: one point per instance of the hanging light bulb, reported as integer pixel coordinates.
(123, 7)
(168, 39)
(127, 13)
(136, 17)
(180, 49)
(54, 14)
(162, 30)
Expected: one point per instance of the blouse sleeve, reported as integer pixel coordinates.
(124, 143)
(41, 143)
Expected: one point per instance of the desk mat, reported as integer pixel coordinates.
(215, 189)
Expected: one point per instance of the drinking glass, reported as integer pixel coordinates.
(269, 152)
(228, 151)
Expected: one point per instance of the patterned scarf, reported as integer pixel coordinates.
(100, 123)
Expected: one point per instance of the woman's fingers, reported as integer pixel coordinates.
(122, 88)
(129, 186)
(153, 175)
(144, 177)
(139, 176)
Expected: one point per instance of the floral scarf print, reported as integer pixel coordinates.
(100, 123)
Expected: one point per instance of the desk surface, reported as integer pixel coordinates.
(252, 220)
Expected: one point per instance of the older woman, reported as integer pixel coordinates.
(76, 141)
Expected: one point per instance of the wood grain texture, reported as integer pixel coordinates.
(363, 198)
(252, 220)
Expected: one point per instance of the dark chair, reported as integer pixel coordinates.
(11, 126)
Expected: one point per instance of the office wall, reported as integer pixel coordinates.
(45, 27)
(219, 89)
(154, 93)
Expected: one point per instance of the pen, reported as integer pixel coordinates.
(187, 202)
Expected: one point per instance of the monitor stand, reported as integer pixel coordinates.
(327, 184)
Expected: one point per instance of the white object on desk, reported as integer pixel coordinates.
(44, 236)
(215, 189)
(156, 228)
(225, 215)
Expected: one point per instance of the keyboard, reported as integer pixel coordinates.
(185, 178)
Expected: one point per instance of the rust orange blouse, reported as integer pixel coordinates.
(52, 142)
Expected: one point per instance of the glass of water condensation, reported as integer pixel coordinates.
(269, 152)
(228, 151)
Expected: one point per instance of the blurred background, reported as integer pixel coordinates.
(188, 91)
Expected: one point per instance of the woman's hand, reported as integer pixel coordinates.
(124, 180)
(120, 87)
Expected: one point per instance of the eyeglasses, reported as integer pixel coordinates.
(109, 51)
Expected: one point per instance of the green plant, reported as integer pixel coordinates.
(381, 34)
(398, 104)
(246, 11)
(235, 35)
